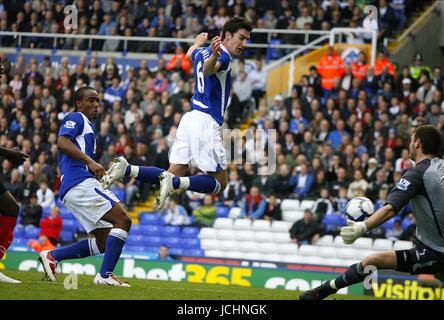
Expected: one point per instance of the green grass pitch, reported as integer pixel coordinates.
(34, 288)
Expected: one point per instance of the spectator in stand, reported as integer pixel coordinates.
(258, 77)
(179, 62)
(404, 162)
(234, 192)
(360, 67)
(330, 67)
(164, 254)
(418, 67)
(51, 226)
(273, 208)
(357, 183)
(396, 232)
(301, 181)
(204, 216)
(305, 230)
(175, 214)
(42, 244)
(32, 212)
(253, 205)
(322, 205)
(45, 195)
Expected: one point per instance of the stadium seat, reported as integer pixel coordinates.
(190, 243)
(150, 218)
(280, 226)
(287, 248)
(223, 223)
(261, 225)
(363, 253)
(338, 242)
(136, 229)
(281, 237)
(318, 261)
(215, 253)
(242, 224)
(273, 257)
(19, 230)
(345, 253)
(136, 240)
(170, 231)
(152, 240)
(176, 251)
(151, 230)
(326, 252)
(402, 245)
(267, 247)
(31, 231)
(207, 233)
(293, 215)
(290, 204)
(294, 258)
(333, 262)
(243, 235)
(224, 234)
(234, 255)
(66, 236)
(307, 204)
(65, 214)
(227, 245)
(139, 249)
(209, 244)
(70, 225)
(254, 256)
(383, 245)
(189, 232)
(193, 252)
(234, 213)
(171, 242)
(263, 236)
(21, 241)
(222, 211)
(153, 249)
(46, 212)
(326, 240)
(248, 246)
(363, 243)
(308, 250)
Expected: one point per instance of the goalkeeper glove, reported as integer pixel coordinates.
(352, 231)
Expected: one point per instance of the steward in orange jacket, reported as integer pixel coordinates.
(330, 66)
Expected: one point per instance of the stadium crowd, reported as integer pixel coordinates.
(339, 135)
(186, 19)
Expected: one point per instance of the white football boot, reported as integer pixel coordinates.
(6, 279)
(115, 172)
(112, 280)
(49, 265)
(166, 188)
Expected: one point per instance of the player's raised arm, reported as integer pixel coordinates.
(199, 42)
(211, 65)
(65, 144)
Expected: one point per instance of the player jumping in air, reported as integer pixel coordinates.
(423, 185)
(97, 210)
(198, 138)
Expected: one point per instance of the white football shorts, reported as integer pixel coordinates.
(88, 201)
(199, 143)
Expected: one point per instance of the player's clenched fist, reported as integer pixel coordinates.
(215, 45)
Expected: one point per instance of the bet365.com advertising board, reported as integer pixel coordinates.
(392, 285)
